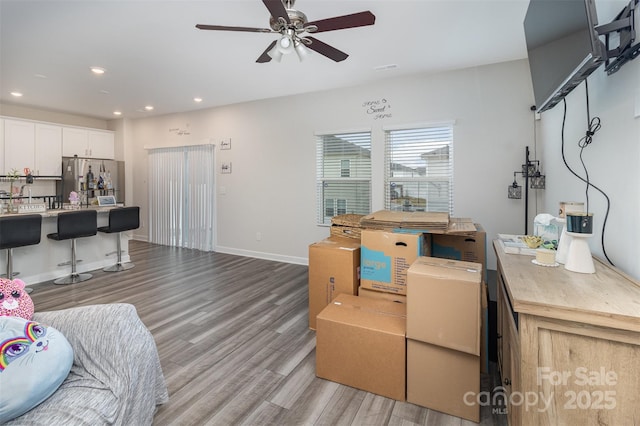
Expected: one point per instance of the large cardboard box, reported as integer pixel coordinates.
(385, 258)
(443, 303)
(470, 248)
(398, 298)
(443, 379)
(334, 268)
(360, 342)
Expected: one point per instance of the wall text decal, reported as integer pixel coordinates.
(378, 108)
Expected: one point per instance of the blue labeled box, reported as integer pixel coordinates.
(385, 258)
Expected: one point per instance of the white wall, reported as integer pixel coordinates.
(272, 186)
(612, 159)
(19, 111)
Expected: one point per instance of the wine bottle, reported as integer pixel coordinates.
(90, 183)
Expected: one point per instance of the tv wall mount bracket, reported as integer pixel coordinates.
(624, 26)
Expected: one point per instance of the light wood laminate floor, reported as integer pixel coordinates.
(234, 343)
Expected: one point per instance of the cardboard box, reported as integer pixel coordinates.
(385, 258)
(443, 379)
(334, 268)
(470, 248)
(484, 330)
(398, 298)
(360, 342)
(443, 303)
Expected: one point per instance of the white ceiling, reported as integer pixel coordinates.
(154, 55)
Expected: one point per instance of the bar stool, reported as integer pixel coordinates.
(73, 225)
(19, 231)
(121, 219)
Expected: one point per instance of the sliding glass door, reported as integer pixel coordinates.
(181, 196)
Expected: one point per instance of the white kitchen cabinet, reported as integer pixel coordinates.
(28, 144)
(74, 142)
(48, 150)
(19, 145)
(87, 143)
(101, 145)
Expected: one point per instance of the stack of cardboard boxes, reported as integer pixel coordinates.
(443, 336)
(393, 321)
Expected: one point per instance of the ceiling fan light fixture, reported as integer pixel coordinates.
(275, 53)
(302, 51)
(286, 42)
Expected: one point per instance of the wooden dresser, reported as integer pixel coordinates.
(568, 344)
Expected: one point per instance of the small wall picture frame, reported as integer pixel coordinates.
(225, 144)
(225, 168)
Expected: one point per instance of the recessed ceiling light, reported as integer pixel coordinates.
(16, 94)
(98, 70)
(117, 112)
(197, 99)
(149, 107)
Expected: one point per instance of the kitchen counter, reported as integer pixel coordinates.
(40, 263)
(56, 212)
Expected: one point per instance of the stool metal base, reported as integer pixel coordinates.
(119, 267)
(73, 279)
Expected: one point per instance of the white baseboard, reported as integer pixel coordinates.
(247, 253)
(262, 255)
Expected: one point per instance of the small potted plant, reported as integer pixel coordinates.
(13, 176)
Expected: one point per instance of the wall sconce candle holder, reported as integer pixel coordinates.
(514, 190)
(537, 180)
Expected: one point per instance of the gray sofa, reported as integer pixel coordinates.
(116, 378)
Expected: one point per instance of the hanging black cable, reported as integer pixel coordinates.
(592, 127)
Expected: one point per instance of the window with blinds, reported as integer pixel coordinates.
(419, 169)
(343, 174)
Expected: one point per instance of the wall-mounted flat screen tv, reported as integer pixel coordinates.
(563, 47)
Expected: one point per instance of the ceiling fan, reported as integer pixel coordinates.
(292, 25)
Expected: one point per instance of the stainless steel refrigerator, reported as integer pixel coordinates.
(91, 177)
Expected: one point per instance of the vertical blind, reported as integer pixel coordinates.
(181, 196)
(343, 171)
(419, 169)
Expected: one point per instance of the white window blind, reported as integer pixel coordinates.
(343, 165)
(419, 169)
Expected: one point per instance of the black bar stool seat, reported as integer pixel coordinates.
(121, 219)
(73, 225)
(19, 231)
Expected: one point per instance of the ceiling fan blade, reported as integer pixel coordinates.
(360, 19)
(326, 50)
(265, 56)
(224, 28)
(277, 9)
